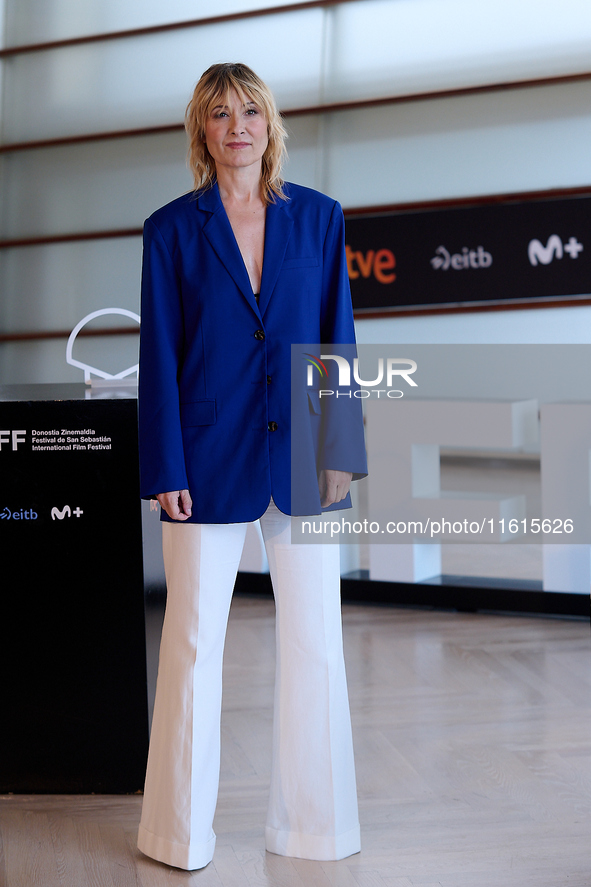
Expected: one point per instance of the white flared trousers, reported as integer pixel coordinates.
(313, 801)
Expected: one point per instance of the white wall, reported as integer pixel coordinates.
(33, 22)
(505, 141)
(543, 326)
(2, 41)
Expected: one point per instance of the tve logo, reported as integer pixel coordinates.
(379, 263)
(554, 249)
(12, 437)
(468, 258)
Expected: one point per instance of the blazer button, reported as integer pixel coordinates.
(273, 426)
(260, 335)
(268, 380)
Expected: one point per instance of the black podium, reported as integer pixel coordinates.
(73, 691)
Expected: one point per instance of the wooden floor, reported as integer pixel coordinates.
(473, 748)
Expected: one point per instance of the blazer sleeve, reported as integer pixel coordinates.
(162, 459)
(342, 437)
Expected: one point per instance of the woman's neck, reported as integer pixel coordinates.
(240, 187)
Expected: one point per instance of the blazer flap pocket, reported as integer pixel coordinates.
(304, 262)
(314, 402)
(200, 412)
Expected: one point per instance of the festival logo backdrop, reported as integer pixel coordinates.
(507, 251)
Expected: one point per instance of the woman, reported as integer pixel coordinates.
(235, 273)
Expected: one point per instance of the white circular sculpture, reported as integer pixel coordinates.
(85, 366)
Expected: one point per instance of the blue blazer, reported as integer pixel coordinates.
(215, 367)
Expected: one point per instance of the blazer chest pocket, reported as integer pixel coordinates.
(304, 262)
(200, 412)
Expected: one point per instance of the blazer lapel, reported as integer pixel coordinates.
(219, 233)
(278, 227)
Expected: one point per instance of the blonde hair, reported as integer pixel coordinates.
(215, 85)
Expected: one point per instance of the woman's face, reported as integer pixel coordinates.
(236, 132)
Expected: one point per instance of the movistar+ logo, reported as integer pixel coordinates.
(554, 249)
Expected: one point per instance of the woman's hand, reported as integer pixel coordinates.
(177, 504)
(333, 486)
